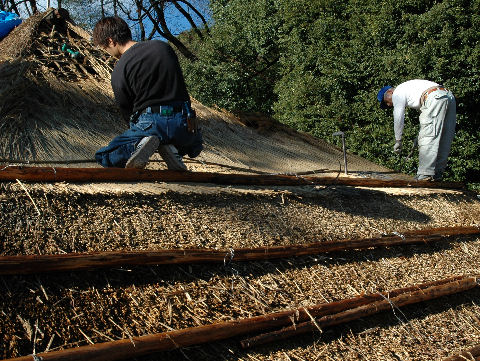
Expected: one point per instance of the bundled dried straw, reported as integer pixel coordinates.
(54, 106)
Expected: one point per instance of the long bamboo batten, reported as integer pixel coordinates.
(59, 174)
(372, 308)
(472, 354)
(26, 264)
(143, 345)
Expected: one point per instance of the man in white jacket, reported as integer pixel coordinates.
(437, 122)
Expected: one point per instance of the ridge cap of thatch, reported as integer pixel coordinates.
(54, 85)
(19, 42)
(51, 41)
(20, 39)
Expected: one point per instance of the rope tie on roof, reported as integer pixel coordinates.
(399, 235)
(228, 257)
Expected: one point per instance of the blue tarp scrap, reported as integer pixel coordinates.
(8, 21)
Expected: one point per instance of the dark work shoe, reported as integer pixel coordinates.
(438, 177)
(145, 149)
(423, 177)
(170, 155)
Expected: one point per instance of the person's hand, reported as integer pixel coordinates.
(397, 148)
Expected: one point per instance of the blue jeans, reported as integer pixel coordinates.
(170, 129)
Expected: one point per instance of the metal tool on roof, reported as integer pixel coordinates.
(414, 145)
(344, 151)
(402, 161)
(73, 54)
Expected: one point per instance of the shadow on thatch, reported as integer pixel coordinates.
(57, 107)
(53, 105)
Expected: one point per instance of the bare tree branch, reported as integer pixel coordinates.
(127, 12)
(13, 7)
(140, 20)
(33, 4)
(163, 30)
(154, 11)
(152, 33)
(154, 22)
(189, 18)
(202, 18)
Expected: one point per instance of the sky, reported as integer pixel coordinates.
(176, 22)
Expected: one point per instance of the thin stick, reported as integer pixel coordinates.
(26, 264)
(29, 196)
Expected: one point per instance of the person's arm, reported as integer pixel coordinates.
(399, 104)
(123, 96)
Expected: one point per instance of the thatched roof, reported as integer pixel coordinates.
(57, 109)
(53, 106)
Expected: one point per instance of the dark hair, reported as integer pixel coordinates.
(111, 27)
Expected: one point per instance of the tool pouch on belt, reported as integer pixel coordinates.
(134, 117)
(192, 123)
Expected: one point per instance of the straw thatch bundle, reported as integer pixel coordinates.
(54, 106)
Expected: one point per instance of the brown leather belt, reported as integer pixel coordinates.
(430, 90)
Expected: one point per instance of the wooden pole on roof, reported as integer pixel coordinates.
(79, 261)
(58, 174)
(165, 341)
(387, 303)
(472, 354)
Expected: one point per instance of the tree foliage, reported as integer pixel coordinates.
(19, 6)
(317, 65)
(355, 47)
(327, 59)
(238, 63)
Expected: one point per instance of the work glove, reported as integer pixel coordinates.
(397, 148)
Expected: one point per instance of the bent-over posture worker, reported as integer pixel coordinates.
(437, 122)
(150, 90)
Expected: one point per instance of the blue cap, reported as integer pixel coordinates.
(380, 95)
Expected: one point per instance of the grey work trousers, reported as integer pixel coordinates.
(437, 129)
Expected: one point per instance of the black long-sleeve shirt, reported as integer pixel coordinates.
(148, 73)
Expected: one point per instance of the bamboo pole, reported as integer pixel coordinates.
(362, 311)
(27, 264)
(58, 174)
(470, 354)
(143, 345)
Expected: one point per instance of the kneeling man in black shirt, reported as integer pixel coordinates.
(150, 90)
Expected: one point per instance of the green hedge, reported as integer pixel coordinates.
(234, 69)
(333, 57)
